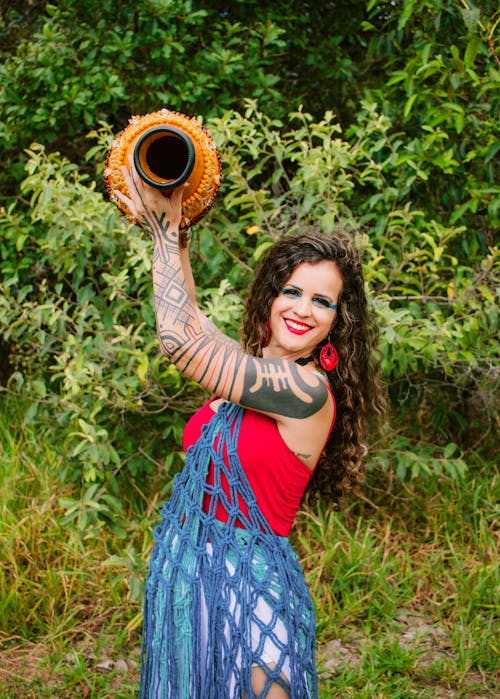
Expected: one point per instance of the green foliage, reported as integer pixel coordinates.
(391, 597)
(398, 142)
(434, 288)
(407, 460)
(117, 60)
(440, 91)
(402, 580)
(71, 63)
(412, 172)
(77, 314)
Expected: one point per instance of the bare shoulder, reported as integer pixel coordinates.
(306, 437)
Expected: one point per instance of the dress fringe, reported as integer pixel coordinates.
(221, 599)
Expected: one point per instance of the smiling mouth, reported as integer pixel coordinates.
(296, 327)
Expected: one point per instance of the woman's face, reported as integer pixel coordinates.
(301, 315)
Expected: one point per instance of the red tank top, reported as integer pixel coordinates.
(277, 477)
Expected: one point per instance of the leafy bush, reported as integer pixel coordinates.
(408, 168)
(76, 305)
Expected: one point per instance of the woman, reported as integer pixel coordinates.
(227, 611)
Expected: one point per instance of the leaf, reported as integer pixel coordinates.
(449, 450)
(409, 104)
(408, 7)
(261, 249)
(459, 121)
(472, 49)
(471, 17)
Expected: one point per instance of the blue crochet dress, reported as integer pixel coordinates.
(222, 599)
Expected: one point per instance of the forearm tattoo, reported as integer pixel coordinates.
(175, 313)
(202, 352)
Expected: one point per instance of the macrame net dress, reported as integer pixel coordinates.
(222, 598)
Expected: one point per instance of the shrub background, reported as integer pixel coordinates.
(379, 117)
(382, 117)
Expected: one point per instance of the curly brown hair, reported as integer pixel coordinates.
(355, 381)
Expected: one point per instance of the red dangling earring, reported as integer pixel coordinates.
(328, 356)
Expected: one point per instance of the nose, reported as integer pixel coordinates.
(303, 306)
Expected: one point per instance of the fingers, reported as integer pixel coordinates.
(143, 199)
(129, 203)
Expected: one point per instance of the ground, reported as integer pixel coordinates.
(26, 666)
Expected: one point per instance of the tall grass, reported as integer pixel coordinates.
(61, 604)
(406, 587)
(405, 580)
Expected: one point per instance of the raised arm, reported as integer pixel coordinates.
(196, 346)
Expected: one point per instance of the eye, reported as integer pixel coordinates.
(324, 303)
(319, 301)
(290, 291)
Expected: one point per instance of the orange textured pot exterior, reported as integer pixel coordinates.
(204, 180)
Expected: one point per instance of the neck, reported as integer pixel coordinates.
(304, 360)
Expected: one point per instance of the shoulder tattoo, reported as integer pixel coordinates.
(276, 386)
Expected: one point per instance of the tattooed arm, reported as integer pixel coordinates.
(194, 344)
(188, 273)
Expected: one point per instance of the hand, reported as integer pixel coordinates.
(149, 207)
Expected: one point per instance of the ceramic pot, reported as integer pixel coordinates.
(168, 148)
